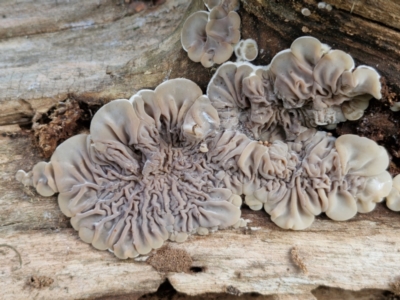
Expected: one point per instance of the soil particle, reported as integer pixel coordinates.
(298, 261)
(39, 282)
(171, 260)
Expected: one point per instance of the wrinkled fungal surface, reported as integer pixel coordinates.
(296, 181)
(209, 37)
(139, 178)
(308, 85)
(172, 162)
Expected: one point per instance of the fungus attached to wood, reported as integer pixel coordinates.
(209, 37)
(172, 162)
(296, 181)
(140, 178)
(305, 86)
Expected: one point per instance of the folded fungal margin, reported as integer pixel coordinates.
(209, 37)
(246, 50)
(141, 176)
(171, 162)
(305, 86)
(393, 199)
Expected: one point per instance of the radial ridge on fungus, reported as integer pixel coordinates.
(139, 178)
(173, 162)
(306, 86)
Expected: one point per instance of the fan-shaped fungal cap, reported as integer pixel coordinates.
(298, 180)
(309, 70)
(209, 37)
(305, 86)
(40, 178)
(361, 156)
(140, 178)
(393, 199)
(193, 36)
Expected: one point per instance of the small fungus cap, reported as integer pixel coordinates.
(209, 37)
(246, 50)
(393, 199)
(193, 35)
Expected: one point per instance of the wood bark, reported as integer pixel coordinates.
(98, 50)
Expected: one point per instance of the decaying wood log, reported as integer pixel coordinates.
(98, 50)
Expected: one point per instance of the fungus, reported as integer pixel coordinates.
(208, 37)
(295, 181)
(227, 5)
(173, 162)
(246, 50)
(393, 199)
(306, 12)
(395, 107)
(305, 86)
(139, 179)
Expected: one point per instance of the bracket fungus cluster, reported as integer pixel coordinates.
(209, 37)
(139, 178)
(172, 162)
(308, 85)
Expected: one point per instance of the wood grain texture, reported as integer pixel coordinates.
(103, 58)
(100, 50)
(361, 253)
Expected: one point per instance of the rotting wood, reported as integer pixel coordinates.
(360, 254)
(106, 58)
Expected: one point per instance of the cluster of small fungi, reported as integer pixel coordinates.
(173, 162)
(209, 37)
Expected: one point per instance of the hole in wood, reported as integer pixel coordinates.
(197, 269)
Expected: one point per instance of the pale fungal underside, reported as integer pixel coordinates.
(173, 162)
(209, 37)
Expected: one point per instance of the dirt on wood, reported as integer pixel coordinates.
(39, 282)
(169, 259)
(298, 261)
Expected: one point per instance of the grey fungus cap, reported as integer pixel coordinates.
(305, 86)
(140, 178)
(209, 37)
(246, 50)
(171, 162)
(393, 199)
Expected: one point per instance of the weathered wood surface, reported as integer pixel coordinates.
(96, 51)
(359, 254)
